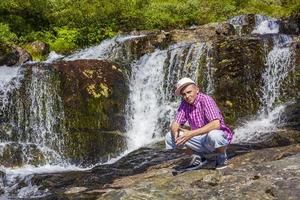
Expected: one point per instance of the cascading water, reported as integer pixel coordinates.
(33, 138)
(178, 67)
(279, 64)
(265, 25)
(36, 127)
(9, 80)
(145, 92)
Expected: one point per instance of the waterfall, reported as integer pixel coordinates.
(183, 62)
(46, 117)
(145, 92)
(36, 126)
(149, 108)
(279, 64)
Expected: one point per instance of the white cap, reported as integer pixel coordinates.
(182, 83)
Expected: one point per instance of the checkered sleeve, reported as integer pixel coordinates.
(180, 116)
(212, 111)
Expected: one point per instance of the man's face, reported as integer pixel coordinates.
(189, 93)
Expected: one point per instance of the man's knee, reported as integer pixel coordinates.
(217, 138)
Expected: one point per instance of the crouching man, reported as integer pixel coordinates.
(208, 131)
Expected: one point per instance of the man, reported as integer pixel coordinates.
(208, 131)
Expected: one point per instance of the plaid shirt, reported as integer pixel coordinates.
(203, 111)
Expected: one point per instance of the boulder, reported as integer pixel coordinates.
(40, 48)
(13, 55)
(94, 94)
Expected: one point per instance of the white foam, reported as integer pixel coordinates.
(259, 128)
(53, 56)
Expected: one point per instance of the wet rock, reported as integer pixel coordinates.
(225, 29)
(13, 55)
(236, 65)
(94, 97)
(290, 25)
(15, 154)
(95, 182)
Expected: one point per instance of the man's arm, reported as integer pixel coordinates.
(175, 129)
(187, 134)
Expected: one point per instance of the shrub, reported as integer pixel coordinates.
(65, 40)
(5, 35)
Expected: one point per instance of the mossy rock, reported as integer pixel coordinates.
(237, 64)
(94, 94)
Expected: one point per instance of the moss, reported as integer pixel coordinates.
(36, 55)
(88, 73)
(105, 89)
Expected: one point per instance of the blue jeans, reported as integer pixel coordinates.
(207, 143)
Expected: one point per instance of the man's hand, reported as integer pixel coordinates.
(185, 135)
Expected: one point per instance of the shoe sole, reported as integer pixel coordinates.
(179, 171)
(221, 167)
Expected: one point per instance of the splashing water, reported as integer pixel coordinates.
(280, 64)
(265, 25)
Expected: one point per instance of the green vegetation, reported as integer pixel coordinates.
(70, 24)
